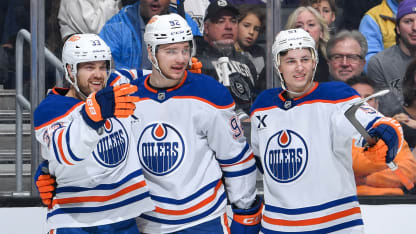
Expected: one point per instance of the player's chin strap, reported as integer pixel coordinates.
(75, 85)
(282, 82)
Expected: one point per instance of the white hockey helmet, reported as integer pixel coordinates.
(292, 39)
(80, 48)
(167, 29)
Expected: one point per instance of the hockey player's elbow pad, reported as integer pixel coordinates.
(109, 102)
(390, 131)
(247, 221)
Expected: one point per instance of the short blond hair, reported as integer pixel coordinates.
(323, 40)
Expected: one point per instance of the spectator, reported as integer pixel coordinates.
(124, 32)
(406, 115)
(377, 26)
(220, 59)
(387, 68)
(346, 54)
(196, 9)
(328, 10)
(353, 12)
(375, 178)
(311, 21)
(250, 25)
(365, 87)
(85, 16)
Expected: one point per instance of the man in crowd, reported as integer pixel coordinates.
(388, 67)
(346, 54)
(219, 58)
(377, 26)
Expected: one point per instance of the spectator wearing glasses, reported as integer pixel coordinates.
(346, 52)
(388, 67)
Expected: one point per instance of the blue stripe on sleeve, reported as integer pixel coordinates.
(187, 199)
(67, 138)
(240, 173)
(55, 150)
(235, 159)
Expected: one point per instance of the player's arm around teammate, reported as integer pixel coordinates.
(99, 187)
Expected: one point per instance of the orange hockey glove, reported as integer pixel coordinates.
(377, 153)
(46, 188)
(45, 183)
(196, 66)
(109, 102)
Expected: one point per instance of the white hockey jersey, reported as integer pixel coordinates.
(99, 177)
(190, 143)
(305, 148)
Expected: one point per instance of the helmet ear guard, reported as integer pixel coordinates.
(80, 48)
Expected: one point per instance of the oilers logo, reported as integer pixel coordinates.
(113, 147)
(161, 148)
(286, 156)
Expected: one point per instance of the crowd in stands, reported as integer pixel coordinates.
(370, 45)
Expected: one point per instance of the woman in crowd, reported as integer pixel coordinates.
(328, 10)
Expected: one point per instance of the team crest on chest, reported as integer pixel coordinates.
(286, 156)
(161, 148)
(113, 147)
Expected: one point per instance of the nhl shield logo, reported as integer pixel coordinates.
(286, 156)
(161, 148)
(113, 146)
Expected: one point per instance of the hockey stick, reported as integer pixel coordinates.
(350, 115)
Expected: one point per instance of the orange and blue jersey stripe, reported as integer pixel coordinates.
(76, 204)
(320, 93)
(341, 211)
(214, 201)
(242, 160)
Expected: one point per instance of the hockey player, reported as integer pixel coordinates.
(100, 186)
(190, 142)
(303, 140)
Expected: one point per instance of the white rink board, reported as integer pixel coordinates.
(379, 219)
